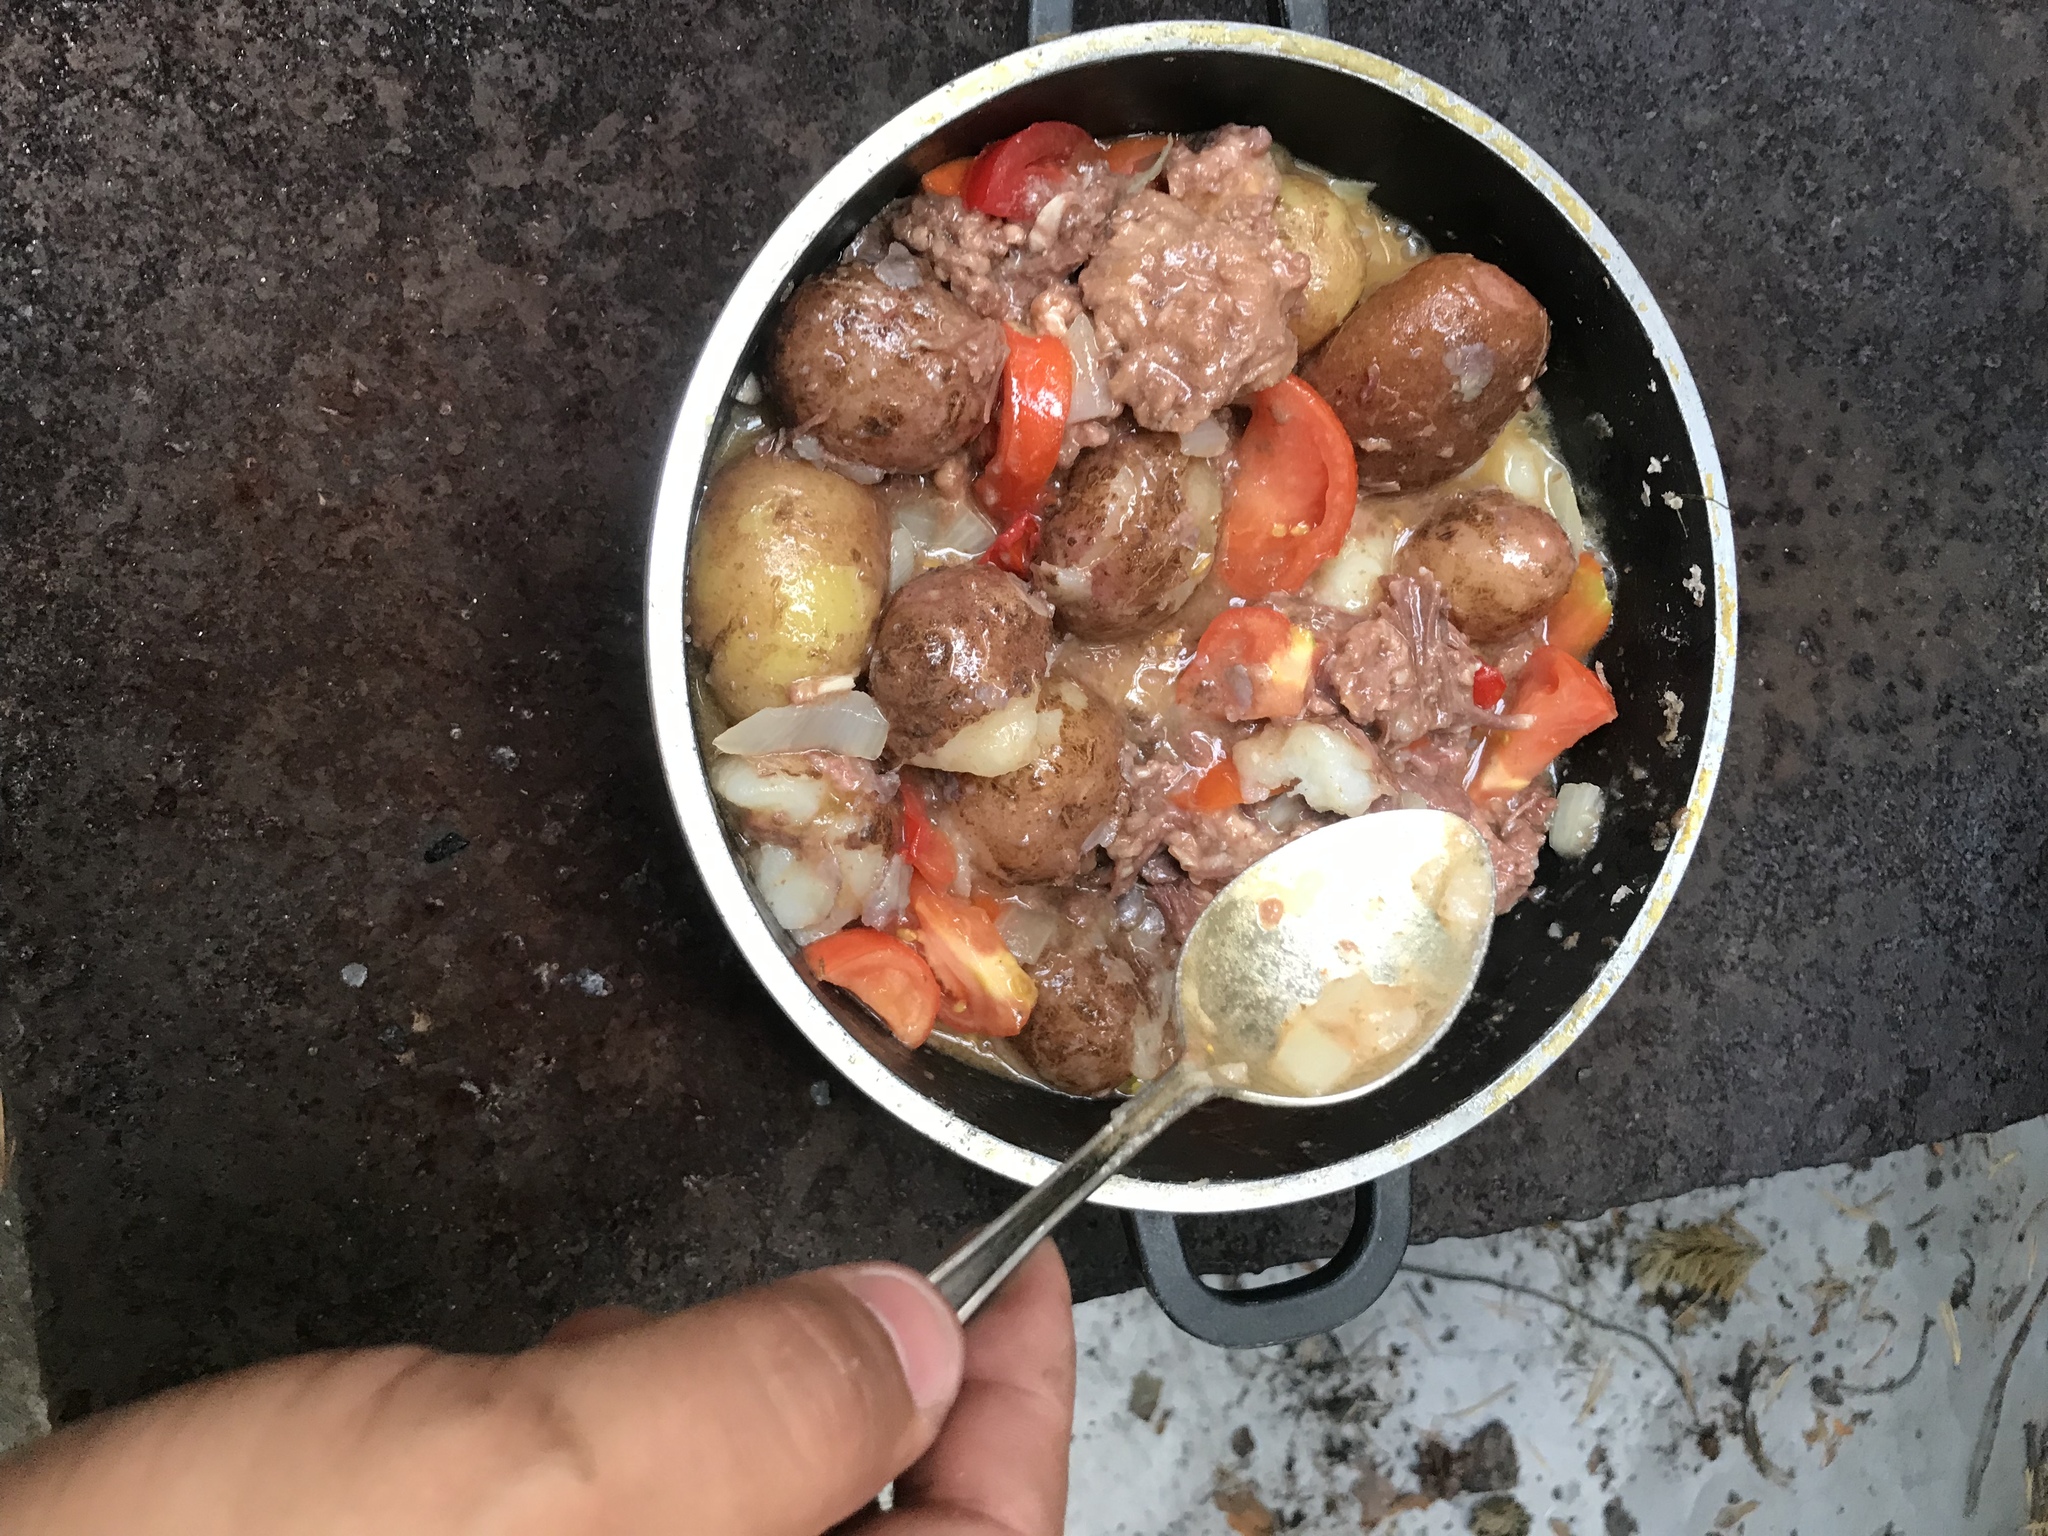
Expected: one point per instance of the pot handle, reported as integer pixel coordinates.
(1287, 1310)
(1055, 18)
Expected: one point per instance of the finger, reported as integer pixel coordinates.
(773, 1413)
(1000, 1464)
(596, 1323)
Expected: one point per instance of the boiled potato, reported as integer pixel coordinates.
(1043, 821)
(1502, 563)
(788, 574)
(1320, 225)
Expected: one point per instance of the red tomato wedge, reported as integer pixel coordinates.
(987, 992)
(1251, 664)
(1038, 384)
(1582, 616)
(1017, 545)
(1127, 157)
(947, 180)
(928, 850)
(1564, 700)
(1488, 686)
(1217, 790)
(1296, 488)
(885, 973)
(1015, 177)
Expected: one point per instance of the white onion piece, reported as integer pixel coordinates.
(1000, 741)
(849, 723)
(1351, 578)
(1575, 825)
(811, 451)
(966, 533)
(903, 556)
(1025, 930)
(749, 392)
(799, 895)
(1047, 225)
(1143, 179)
(1090, 400)
(890, 899)
(1206, 440)
(899, 269)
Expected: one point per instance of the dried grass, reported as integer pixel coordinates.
(1707, 1258)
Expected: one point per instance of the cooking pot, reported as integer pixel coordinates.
(1629, 423)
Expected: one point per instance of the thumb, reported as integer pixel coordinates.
(776, 1412)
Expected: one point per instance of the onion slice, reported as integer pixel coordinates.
(1090, 400)
(849, 723)
(1205, 439)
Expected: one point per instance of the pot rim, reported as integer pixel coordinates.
(704, 401)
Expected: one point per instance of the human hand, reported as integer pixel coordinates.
(777, 1412)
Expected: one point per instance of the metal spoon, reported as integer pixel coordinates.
(1323, 971)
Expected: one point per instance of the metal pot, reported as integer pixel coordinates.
(1628, 421)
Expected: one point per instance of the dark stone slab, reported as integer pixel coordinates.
(338, 343)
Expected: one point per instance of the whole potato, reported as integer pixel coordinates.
(954, 645)
(1501, 562)
(1427, 370)
(1079, 1036)
(1129, 538)
(1320, 225)
(1029, 826)
(895, 378)
(787, 577)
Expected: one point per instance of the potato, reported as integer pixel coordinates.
(787, 577)
(956, 646)
(1501, 562)
(1080, 1034)
(1035, 823)
(1130, 537)
(1323, 227)
(1426, 371)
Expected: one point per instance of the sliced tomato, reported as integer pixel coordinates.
(947, 180)
(928, 850)
(1252, 664)
(1582, 616)
(1127, 157)
(1015, 177)
(987, 992)
(1564, 700)
(1038, 385)
(885, 973)
(1217, 790)
(1294, 493)
(1489, 687)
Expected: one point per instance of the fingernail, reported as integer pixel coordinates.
(921, 1326)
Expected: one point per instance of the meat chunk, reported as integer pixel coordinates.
(1432, 772)
(955, 645)
(997, 269)
(1403, 671)
(1231, 177)
(1129, 538)
(1211, 847)
(1196, 305)
(895, 378)
(1426, 370)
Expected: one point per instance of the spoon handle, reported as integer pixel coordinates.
(973, 1273)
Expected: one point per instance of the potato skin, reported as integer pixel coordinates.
(1427, 370)
(787, 576)
(1501, 562)
(896, 378)
(955, 644)
(1027, 826)
(1133, 522)
(1320, 225)
(1079, 1036)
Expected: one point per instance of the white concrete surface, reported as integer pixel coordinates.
(1872, 1378)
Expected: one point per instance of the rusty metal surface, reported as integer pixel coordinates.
(339, 344)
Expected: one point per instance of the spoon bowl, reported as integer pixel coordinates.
(1320, 973)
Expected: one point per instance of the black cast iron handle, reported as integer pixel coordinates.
(1055, 18)
(1356, 1277)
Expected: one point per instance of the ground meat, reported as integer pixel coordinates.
(1179, 899)
(1197, 308)
(1405, 671)
(998, 269)
(1211, 847)
(1232, 177)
